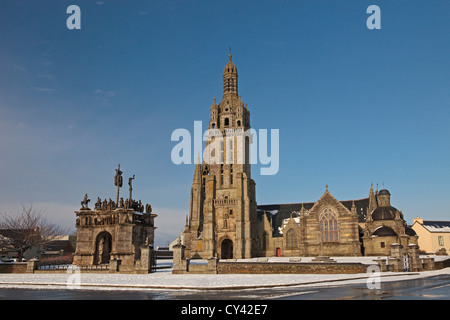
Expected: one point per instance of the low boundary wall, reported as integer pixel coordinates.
(13, 267)
(290, 267)
(215, 266)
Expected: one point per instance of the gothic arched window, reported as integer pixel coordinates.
(329, 226)
(291, 239)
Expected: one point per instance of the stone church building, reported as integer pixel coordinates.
(225, 221)
(330, 227)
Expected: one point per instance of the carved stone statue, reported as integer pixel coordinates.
(118, 180)
(130, 183)
(84, 203)
(98, 204)
(130, 180)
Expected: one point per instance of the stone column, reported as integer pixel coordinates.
(180, 264)
(396, 265)
(415, 264)
(396, 251)
(396, 258)
(382, 264)
(213, 264)
(144, 265)
(32, 265)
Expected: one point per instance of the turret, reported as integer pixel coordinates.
(214, 115)
(384, 198)
(372, 200)
(230, 79)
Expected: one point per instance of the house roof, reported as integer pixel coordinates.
(12, 235)
(436, 226)
(58, 245)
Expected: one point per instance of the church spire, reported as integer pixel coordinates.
(372, 200)
(230, 77)
(198, 170)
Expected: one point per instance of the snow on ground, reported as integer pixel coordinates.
(164, 279)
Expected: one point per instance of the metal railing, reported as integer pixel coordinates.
(54, 267)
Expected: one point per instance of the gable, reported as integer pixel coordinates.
(278, 212)
(328, 200)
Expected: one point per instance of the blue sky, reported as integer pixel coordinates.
(354, 106)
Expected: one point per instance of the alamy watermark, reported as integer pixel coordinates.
(74, 280)
(74, 20)
(227, 146)
(374, 280)
(374, 20)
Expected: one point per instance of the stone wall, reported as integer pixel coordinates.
(442, 264)
(17, 267)
(289, 267)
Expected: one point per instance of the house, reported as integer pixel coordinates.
(434, 236)
(10, 245)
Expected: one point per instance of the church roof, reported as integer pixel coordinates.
(279, 212)
(384, 192)
(230, 67)
(385, 213)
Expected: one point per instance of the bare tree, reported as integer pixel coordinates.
(27, 229)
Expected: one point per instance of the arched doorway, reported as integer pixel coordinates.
(103, 244)
(226, 249)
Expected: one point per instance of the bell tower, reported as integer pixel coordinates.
(230, 78)
(222, 219)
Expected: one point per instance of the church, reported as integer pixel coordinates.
(329, 227)
(225, 221)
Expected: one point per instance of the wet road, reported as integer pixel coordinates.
(433, 288)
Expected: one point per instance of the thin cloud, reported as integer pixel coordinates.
(104, 96)
(21, 68)
(44, 75)
(38, 89)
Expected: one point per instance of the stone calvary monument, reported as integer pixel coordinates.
(118, 234)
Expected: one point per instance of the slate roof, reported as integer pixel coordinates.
(278, 212)
(437, 226)
(57, 245)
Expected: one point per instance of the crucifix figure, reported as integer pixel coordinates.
(130, 181)
(118, 181)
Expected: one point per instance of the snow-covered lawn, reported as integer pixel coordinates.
(164, 279)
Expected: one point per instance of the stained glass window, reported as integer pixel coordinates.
(329, 226)
(291, 239)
